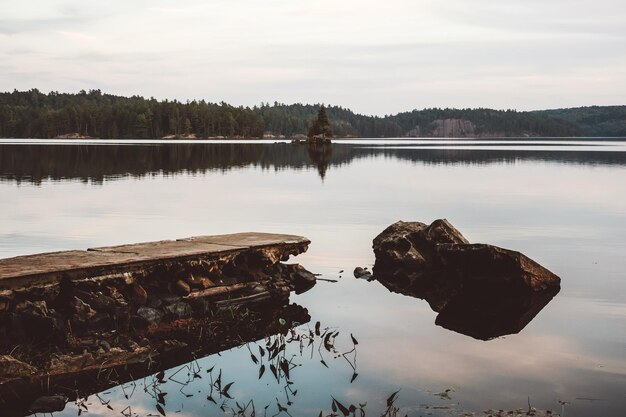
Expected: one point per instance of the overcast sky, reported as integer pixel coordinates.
(375, 57)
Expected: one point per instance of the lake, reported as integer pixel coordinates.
(561, 202)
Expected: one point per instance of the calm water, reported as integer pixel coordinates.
(563, 203)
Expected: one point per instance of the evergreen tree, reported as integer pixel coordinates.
(321, 125)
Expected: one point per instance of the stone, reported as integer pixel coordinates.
(150, 316)
(181, 288)
(413, 244)
(497, 266)
(296, 275)
(34, 320)
(154, 301)
(101, 321)
(33, 308)
(13, 368)
(179, 310)
(83, 310)
(117, 296)
(412, 249)
(479, 290)
(6, 296)
(360, 272)
(97, 300)
(49, 404)
(168, 298)
(199, 305)
(138, 294)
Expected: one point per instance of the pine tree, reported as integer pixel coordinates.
(321, 125)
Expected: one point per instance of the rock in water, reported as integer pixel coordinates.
(360, 272)
(413, 250)
(479, 290)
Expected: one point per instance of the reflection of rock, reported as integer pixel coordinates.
(480, 290)
(486, 315)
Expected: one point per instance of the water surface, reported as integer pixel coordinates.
(560, 202)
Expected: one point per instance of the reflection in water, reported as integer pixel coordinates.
(489, 315)
(320, 155)
(34, 163)
(225, 329)
(482, 312)
(274, 361)
(573, 349)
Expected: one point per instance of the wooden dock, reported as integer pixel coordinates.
(120, 307)
(50, 268)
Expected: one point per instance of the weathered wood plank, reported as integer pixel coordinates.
(51, 267)
(249, 239)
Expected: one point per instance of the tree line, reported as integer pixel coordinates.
(33, 114)
(594, 120)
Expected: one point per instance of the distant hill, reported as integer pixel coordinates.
(593, 120)
(482, 123)
(32, 114)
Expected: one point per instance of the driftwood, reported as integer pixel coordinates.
(221, 290)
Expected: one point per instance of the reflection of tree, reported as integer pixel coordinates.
(320, 155)
(35, 163)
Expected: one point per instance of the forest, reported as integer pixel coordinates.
(593, 120)
(33, 114)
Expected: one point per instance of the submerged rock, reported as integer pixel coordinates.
(480, 290)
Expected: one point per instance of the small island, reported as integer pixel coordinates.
(320, 131)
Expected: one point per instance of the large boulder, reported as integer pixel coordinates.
(480, 290)
(415, 250)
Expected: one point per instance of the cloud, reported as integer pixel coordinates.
(374, 59)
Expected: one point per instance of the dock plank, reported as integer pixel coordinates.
(52, 267)
(249, 239)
